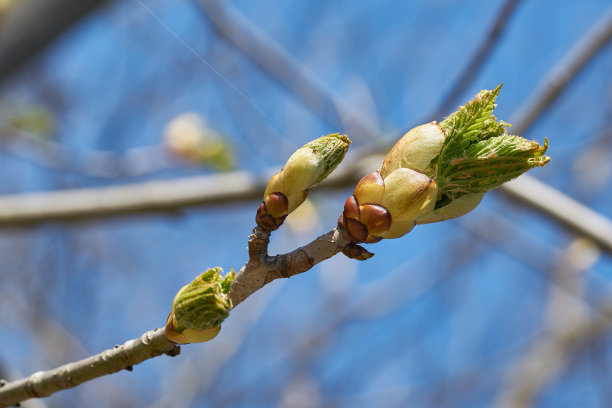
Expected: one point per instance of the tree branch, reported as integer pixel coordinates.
(574, 215)
(260, 270)
(22, 210)
(44, 383)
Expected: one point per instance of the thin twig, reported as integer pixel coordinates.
(262, 268)
(478, 60)
(44, 383)
(134, 162)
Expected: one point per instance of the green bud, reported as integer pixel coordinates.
(308, 166)
(199, 308)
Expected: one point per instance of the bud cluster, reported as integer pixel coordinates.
(386, 203)
(199, 308)
(308, 166)
(436, 172)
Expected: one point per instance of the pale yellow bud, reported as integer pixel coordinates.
(415, 150)
(308, 166)
(408, 193)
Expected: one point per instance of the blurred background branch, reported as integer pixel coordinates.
(32, 25)
(478, 60)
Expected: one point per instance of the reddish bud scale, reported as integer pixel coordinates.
(276, 204)
(267, 221)
(357, 252)
(364, 223)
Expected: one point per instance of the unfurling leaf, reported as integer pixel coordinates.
(199, 308)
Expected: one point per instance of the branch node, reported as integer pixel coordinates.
(258, 244)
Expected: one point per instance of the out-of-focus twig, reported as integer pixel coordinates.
(491, 39)
(569, 324)
(286, 69)
(93, 163)
(562, 73)
(150, 197)
(32, 25)
(558, 206)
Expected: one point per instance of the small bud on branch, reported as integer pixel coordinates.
(308, 166)
(200, 307)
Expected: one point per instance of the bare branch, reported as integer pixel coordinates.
(152, 197)
(44, 383)
(262, 268)
(560, 207)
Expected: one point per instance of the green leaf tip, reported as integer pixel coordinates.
(478, 154)
(330, 151)
(228, 279)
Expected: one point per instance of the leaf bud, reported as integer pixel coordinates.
(357, 252)
(199, 308)
(308, 166)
